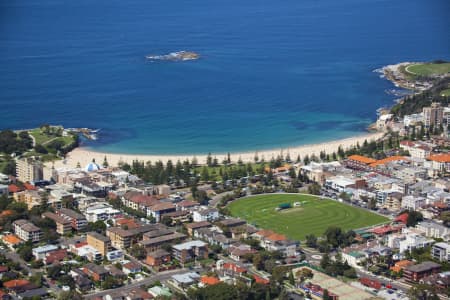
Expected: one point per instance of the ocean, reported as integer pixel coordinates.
(271, 74)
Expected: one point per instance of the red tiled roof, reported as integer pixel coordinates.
(234, 268)
(442, 158)
(57, 255)
(15, 283)
(14, 188)
(402, 218)
(11, 239)
(261, 280)
(362, 159)
(209, 280)
(29, 186)
(389, 159)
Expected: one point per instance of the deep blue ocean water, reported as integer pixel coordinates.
(271, 74)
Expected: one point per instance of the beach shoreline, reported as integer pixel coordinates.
(83, 156)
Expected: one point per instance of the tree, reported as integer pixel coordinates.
(26, 252)
(325, 261)
(314, 189)
(350, 273)
(326, 295)
(414, 217)
(311, 241)
(105, 162)
(304, 274)
(138, 251)
(291, 278)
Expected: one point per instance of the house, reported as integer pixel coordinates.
(193, 226)
(185, 280)
(232, 222)
(131, 268)
(400, 265)
(77, 220)
(441, 251)
(99, 242)
(157, 258)
(159, 209)
(12, 240)
(82, 282)
(63, 225)
(27, 231)
(440, 163)
(230, 269)
(239, 251)
(416, 272)
(55, 256)
(190, 250)
(206, 214)
(441, 281)
(96, 272)
(208, 280)
(353, 258)
(40, 252)
(186, 205)
(158, 291)
(213, 237)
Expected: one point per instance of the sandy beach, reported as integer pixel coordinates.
(83, 155)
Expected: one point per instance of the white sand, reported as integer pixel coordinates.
(84, 156)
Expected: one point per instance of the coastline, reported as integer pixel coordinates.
(83, 156)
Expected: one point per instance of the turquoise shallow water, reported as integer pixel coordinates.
(271, 74)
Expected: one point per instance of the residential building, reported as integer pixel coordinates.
(125, 238)
(131, 268)
(191, 227)
(413, 202)
(434, 230)
(40, 252)
(27, 231)
(156, 242)
(414, 241)
(157, 258)
(99, 242)
(206, 214)
(29, 169)
(417, 149)
(78, 221)
(30, 197)
(433, 115)
(190, 250)
(441, 252)
(63, 225)
(440, 163)
(159, 209)
(416, 272)
(96, 272)
(101, 212)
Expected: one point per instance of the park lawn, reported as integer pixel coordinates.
(429, 69)
(313, 217)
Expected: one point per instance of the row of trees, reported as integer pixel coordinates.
(334, 237)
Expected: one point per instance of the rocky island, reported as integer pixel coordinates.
(175, 56)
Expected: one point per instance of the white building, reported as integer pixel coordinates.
(441, 252)
(205, 214)
(27, 231)
(410, 120)
(40, 252)
(434, 230)
(417, 149)
(414, 241)
(339, 183)
(412, 202)
(101, 212)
